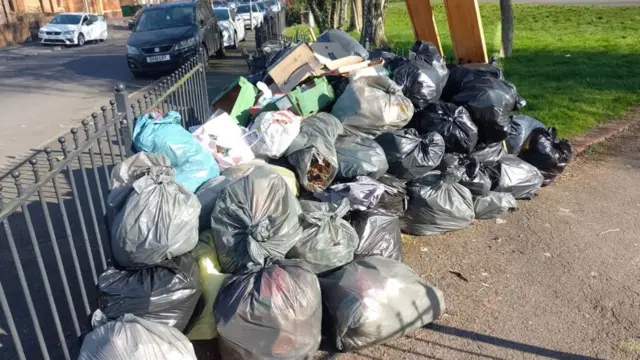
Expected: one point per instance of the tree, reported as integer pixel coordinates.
(506, 15)
(356, 16)
(373, 23)
(321, 10)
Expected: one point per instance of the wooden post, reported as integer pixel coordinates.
(466, 31)
(423, 22)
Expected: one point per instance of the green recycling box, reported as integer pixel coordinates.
(236, 99)
(312, 96)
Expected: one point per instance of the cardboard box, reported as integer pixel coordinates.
(333, 56)
(294, 68)
(236, 100)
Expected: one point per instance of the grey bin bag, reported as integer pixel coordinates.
(411, 155)
(363, 193)
(437, 203)
(379, 234)
(518, 178)
(359, 156)
(372, 105)
(273, 313)
(166, 293)
(313, 153)
(328, 241)
(374, 300)
(494, 205)
(132, 338)
(255, 219)
(159, 221)
(125, 174)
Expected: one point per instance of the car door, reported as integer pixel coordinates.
(95, 27)
(213, 28)
(85, 27)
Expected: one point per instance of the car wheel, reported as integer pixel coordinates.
(81, 40)
(104, 36)
(221, 52)
(235, 40)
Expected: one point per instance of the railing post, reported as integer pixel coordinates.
(123, 106)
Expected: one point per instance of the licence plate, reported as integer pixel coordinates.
(152, 59)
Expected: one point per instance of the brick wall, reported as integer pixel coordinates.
(22, 28)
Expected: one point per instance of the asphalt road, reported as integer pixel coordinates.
(44, 91)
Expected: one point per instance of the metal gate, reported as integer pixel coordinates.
(53, 240)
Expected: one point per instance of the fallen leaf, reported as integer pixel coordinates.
(459, 275)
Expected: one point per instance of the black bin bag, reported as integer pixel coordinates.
(487, 154)
(328, 241)
(409, 154)
(472, 174)
(255, 219)
(274, 312)
(424, 76)
(374, 300)
(346, 41)
(521, 128)
(461, 74)
(452, 122)
(519, 178)
(132, 338)
(359, 156)
(394, 199)
(549, 155)
(379, 234)
(313, 153)
(494, 205)
(489, 101)
(437, 203)
(363, 193)
(166, 293)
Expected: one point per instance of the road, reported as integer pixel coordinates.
(43, 91)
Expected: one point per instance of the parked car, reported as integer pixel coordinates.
(264, 8)
(232, 26)
(74, 29)
(274, 5)
(132, 20)
(220, 4)
(252, 16)
(169, 34)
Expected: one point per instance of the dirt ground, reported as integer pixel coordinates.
(560, 279)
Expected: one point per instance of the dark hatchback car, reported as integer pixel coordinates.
(167, 35)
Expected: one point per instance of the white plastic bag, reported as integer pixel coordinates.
(274, 132)
(225, 140)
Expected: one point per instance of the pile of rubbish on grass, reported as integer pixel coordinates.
(279, 220)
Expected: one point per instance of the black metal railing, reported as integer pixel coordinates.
(272, 28)
(54, 242)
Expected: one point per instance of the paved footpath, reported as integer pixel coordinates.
(559, 279)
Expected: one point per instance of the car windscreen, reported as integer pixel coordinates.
(262, 6)
(66, 19)
(166, 17)
(222, 14)
(243, 9)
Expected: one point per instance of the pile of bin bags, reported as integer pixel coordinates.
(261, 275)
(253, 233)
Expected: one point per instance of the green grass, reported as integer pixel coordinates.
(577, 66)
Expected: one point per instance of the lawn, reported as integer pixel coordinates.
(577, 66)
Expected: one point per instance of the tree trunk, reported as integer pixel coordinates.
(506, 15)
(335, 13)
(321, 10)
(356, 15)
(343, 13)
(373, 33)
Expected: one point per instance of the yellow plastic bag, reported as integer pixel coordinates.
(210, 282)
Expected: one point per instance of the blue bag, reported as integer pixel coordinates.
(165, 135)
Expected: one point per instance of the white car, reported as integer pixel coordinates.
(74, 29)
(232, 26)
(252, 17)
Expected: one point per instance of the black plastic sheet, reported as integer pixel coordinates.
(494, 205)
(518, 178)
(348, 43)
(521, 128)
